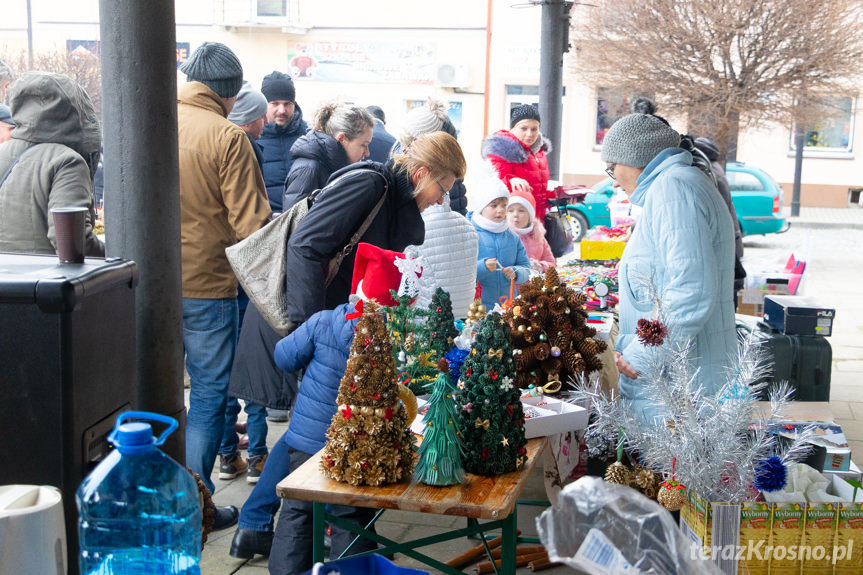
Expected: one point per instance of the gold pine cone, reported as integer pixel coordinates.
(617, 473)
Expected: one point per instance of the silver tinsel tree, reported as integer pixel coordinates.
(716, 440)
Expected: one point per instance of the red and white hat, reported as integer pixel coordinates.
(524, 199)
(377, 271)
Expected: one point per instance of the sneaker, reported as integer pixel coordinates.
(277, 415)
(256, 466)
(231, 465)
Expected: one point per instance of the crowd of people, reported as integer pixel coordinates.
(247, 154)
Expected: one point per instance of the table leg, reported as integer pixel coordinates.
(319, 527)
(508, 545)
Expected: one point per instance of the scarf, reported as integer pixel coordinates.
(488, 225)
(523, 231)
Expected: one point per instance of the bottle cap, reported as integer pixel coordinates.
(137, 436)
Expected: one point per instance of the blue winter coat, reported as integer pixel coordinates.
(381, 144)
(509, 251)
(276, 144)
(321, 345)
(684, 240)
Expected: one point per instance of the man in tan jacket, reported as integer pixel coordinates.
(222, 200)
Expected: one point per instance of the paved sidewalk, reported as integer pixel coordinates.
(848, 218)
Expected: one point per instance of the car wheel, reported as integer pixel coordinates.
(578, 225)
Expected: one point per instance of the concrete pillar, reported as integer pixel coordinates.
(142, 192)
(555, 40)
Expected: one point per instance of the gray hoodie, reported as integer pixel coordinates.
(52, 155)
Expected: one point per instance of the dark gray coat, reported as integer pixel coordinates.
(316, 156)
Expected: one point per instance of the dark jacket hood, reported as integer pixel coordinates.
(53, 108)
(296, 125)
(322, 148)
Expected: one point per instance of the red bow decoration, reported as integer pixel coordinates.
(356, 314)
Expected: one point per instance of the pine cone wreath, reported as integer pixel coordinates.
(557, 305)
(592, 363)
(617, 473)
(209, 510)
(551, 365)
(541, 351)
(588, 347)
(552, 280)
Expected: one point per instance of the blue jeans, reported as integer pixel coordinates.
(261, 507)
(256, 428)
(210, 340)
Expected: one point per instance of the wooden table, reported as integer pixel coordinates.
(491, 498)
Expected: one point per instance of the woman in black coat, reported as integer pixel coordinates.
(408, 184)
(340, 136)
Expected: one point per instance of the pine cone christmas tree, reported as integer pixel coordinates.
(552, 280)
(491, 418)
(368, 441)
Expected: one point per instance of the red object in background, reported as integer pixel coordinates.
(477, 294)
(576, 192)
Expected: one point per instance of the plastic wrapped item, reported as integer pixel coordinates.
(607, 529)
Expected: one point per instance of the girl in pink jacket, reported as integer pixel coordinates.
(521, 214)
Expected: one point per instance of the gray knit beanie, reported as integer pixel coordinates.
(250, 106)
(422, 120)
(217, 67)
(636, 139)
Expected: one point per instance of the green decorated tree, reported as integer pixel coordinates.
(368, 441)
(490, 416)
(440, 452)
(441, 323)
(414, 360)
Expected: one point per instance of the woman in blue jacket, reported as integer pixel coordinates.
(683, 244)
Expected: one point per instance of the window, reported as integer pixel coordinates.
(834, 131)
(610, 105)
(271, 8)
(743, 182)
(517, 95)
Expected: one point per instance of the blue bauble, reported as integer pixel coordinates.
(770, 474)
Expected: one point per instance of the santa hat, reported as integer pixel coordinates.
(377, 271)
(524, 199)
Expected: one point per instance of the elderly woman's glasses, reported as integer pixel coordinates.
(610, 170)
(442, 189)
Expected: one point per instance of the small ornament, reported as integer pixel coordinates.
(555, 351)
(770, 474)
(410, 342)
(504, 442)
(651, 332)
(671, 495)
(617, 473)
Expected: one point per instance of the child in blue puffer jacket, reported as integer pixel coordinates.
(320, 346)
(501, 256)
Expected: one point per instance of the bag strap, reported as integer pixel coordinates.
(336, 261)
(12, 165)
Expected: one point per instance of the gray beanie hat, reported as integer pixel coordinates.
(217, 67)
(636, 139)
(250, 106)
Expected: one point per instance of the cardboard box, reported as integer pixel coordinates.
(751, 301)
(798, 315)
(828, 435)
(603, 329)
(552, 416)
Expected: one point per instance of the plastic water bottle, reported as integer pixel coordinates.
(138, 510)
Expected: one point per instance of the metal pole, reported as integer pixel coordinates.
(29, 36)
(554, 40)
(142, 190)
(799, 133)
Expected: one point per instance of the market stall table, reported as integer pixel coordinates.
(492, 498)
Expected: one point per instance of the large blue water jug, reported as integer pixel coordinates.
(138, 511)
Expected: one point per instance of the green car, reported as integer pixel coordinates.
(756, 196)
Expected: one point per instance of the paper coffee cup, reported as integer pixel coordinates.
(69, 230)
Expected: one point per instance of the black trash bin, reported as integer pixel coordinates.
(67, 369)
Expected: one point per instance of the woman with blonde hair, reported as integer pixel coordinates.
(339, 137)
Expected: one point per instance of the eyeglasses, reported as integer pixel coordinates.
(610, 170)
(442, 189)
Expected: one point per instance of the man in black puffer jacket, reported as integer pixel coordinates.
(284, 125)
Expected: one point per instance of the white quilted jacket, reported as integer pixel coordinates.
(449, 257)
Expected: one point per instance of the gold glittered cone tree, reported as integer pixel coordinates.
(368, 441)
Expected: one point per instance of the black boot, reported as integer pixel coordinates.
(225, 517)
(248, 543)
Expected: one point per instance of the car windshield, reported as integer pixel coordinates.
(600, 185)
